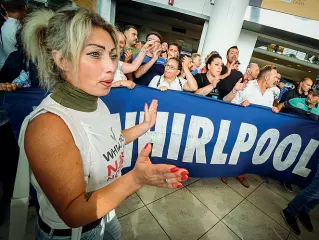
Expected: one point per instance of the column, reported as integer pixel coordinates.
(225, 24)
(107, 8)
(246, 44)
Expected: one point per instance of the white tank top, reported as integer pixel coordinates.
(100, 142)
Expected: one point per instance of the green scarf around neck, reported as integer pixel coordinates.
(74, 98)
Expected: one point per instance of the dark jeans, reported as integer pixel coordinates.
(307, 199)
(9, 156)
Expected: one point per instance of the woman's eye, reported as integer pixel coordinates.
(94, 54)
(114, 56)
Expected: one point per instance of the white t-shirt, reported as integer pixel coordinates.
(8, 39)
(119, 75)
(253, 94)
(177, 84)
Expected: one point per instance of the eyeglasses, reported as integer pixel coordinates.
(170, 67)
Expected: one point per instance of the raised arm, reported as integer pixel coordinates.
(132, 67)
(191, 84)
(145, 67)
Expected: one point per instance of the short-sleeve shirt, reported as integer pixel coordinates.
(202, 81)
(293, 93)
(159, 81)
(8, 39)
(299, 106)
(253, 94)
(156, 69)
(227, 84)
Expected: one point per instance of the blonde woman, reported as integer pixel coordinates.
(74, 148)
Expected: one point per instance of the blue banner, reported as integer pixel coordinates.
(208, 137)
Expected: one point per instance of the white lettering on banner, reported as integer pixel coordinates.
(196, 143)
(218, 156)
(130, 120)
(176, 136)
(273, 135)
(241, 145)
(200, 133)
(300, 168)
(295, 141)
(156, 137)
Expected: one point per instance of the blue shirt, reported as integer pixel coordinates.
(156, 69)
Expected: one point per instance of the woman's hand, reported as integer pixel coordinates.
(150, 114)
(240, 85)
(187, 63)
(128, 56)
(159, 175)
(128, 84)
(9, 87)
(163, 88)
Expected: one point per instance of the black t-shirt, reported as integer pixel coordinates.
(202, 81)
(290, 94)
(227, 84)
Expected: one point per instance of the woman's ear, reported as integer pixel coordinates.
(60, 61)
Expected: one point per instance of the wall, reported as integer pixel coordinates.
(195, 6)
(246, 44)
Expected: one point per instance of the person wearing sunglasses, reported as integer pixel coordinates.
(305, 107)
(170, 80)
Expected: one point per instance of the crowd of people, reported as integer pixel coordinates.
(46, 55)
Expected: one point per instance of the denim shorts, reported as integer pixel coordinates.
(112, 231)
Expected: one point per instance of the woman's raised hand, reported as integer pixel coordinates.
(159, 175)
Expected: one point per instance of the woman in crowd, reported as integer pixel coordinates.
(170, 79)
(208, 82)
(74, 148)
(173, 51)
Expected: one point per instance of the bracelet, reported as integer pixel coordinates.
(234, 91)
(143, 51)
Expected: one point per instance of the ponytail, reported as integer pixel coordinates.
(34, 42)
(64, 31)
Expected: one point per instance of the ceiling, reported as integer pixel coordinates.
(293, 70)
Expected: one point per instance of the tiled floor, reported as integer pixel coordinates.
(205, 209)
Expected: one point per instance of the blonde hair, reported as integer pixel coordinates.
(64, 31)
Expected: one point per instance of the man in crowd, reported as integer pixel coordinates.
(257, 92)
(251, 73)
(15, 9)
(299, 92)
(229, 76)
(173, 50)
(196, 63)
(131, 35)
(152, 64)
(301, 205)
(305, 107)
(9, 148)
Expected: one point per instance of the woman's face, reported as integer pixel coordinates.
(171, 69)
(164, 46)
(97, 64)
(173, 51)
(215, 67)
